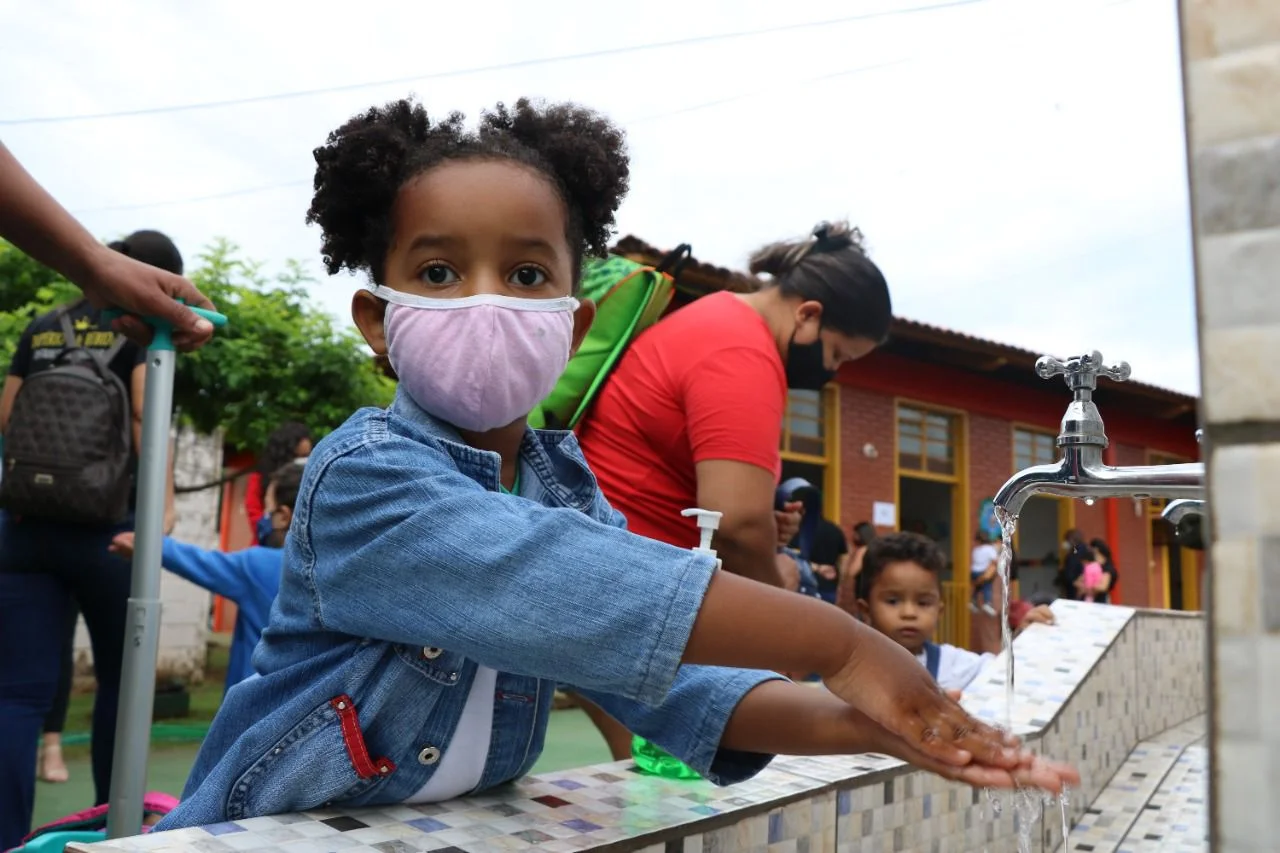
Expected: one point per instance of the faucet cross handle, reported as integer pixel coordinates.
(1081, 372)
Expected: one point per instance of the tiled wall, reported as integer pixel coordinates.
(1171, 681)
(1231, 56)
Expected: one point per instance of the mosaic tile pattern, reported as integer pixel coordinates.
(1049, 663)
(919, 811)
(580, 809)
(1111, 816)
(1095, 732)
(1231, 65)
(1171, 674)
(1077, 697)
(805, 826)
(1177, 818)
(1157, 802)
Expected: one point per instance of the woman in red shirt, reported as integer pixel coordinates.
(692, 415)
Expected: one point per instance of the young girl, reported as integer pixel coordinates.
(447, 567)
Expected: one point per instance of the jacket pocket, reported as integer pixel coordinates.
(323, 759)
(441, 666)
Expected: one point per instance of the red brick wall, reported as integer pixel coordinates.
(868, 417)
(990, 460)
(865, 418)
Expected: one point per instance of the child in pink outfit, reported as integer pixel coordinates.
(1092, 578)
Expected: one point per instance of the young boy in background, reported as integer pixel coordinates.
(250, 578)
(900, 596)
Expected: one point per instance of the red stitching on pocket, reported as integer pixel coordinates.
(353, 740)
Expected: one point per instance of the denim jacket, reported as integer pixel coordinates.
(404, 568)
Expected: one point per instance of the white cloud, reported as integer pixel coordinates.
(1018, 167)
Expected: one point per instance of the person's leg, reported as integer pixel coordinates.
(615, 734)
(52, 766)
(100, 583)
(30, 604)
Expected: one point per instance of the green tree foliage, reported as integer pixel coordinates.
(27, 290)
(280, 357)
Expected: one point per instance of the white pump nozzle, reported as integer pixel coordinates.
(708, 523)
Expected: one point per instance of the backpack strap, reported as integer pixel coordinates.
(932, 658)
(68, 332)
(673, 263)
(117, 344)
(69, 337)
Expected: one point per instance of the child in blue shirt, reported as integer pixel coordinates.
(250, 577)
(448, 567)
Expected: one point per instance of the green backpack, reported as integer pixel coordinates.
(630, 297)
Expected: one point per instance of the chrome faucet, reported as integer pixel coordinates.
(1176, 511)
(1081, 473)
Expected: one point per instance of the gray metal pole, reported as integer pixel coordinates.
(142, 637)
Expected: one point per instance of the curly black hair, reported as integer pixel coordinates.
(363, 164)
(281, 449)
(898, 548)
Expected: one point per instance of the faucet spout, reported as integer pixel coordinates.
(1080, 474)
(1176, 511)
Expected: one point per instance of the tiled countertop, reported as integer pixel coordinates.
(611, 807)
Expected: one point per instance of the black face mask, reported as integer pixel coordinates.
(806, 370)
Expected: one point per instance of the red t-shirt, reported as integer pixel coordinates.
(704, 383)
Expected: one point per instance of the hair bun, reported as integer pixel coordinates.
(834, 236)
(779, 259)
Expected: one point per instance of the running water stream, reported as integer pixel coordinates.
(1028, 804)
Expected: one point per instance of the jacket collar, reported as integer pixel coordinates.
(552, 455)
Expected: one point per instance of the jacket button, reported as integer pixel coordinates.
(429, 755)
(431, 652)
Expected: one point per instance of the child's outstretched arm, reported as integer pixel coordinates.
(782, 717)
(224, 573)
(876, 681)
(387, 545)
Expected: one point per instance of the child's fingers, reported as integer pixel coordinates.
(1047, 776)
(1043, 775)
(975, 774)
(987, 744)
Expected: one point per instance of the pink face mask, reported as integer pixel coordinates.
(479, 362)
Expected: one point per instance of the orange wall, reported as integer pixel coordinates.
(234, 533)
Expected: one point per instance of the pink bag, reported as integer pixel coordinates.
(154, 804)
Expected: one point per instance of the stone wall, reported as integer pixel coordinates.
(1231, 59)
(184, 621)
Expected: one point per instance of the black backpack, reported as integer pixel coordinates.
(68, 446)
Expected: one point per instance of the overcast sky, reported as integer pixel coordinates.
(1016, 165)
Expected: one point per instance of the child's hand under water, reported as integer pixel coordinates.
(925, 726)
